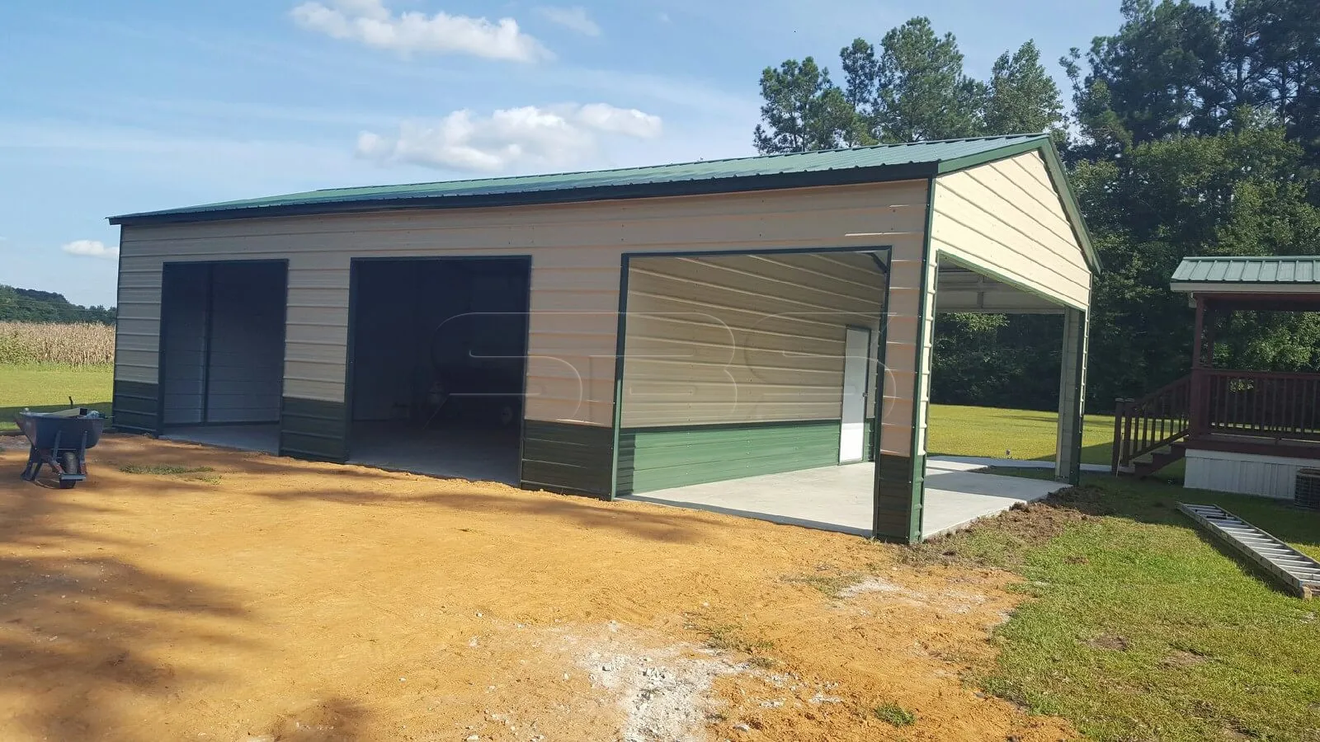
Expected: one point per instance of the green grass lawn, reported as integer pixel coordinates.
(46, 388)
(1028, 435)
(954, 430)
(1140, 628)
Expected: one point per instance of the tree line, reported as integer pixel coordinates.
(1191, 130)
(30, 305)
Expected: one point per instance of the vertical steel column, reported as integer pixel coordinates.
(1072, 397)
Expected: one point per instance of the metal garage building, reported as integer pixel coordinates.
(606, 333)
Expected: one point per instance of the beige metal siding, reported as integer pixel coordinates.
(743, 338)
(905, 297)
(576, 254)
(1006, 218)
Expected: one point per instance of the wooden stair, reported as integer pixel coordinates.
(1150, 433)
(1151, 462)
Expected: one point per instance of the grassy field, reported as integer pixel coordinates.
(1017, 434)
(48, 387)
(963, 431)
(1139, 628)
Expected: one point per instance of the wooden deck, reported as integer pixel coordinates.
(1255, 444)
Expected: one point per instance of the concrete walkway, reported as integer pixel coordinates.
(981, 462)
(840, 498)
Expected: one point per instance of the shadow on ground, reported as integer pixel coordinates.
(83, 634)
(367, 486)
(79, 622)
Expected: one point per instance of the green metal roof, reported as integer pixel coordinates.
(794, 170)
(1240, 270)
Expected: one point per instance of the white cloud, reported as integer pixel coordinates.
(557, 136)
(91, 249)
(627, 121)
(574, 18)
(371, 23)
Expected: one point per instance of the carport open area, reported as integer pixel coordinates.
(839, 498)
(196, 593)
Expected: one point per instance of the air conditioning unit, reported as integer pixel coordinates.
(1307, 492)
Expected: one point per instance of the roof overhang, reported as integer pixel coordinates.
(1209, 289)
(701, 187)
(1259, 297)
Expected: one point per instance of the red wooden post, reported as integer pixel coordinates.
(1198, 399)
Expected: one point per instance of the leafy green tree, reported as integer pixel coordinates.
(1244, 192)
(994, 360)
(1021, 96)
(1146, 82)
(911, 87)
(1278, 42)
(30, 305)
(803, 110)
(1195, 137)
(915, 88)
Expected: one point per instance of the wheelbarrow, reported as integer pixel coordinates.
(60, 440)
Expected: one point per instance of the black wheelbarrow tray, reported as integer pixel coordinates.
(60, 440)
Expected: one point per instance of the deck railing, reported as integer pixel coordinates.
(1258, 403)
(1152, 422)
(1263, 405)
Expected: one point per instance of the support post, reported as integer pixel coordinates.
(1197, 407)
(900, 461)
(1072, 397)
(1120, 410)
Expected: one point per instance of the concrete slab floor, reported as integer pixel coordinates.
(833, 498)
(484, 455)
(264, 438)
(840, 498)
(476, 454)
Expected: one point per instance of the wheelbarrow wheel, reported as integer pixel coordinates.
(69, 463)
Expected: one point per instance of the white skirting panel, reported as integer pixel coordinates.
(1244, 473)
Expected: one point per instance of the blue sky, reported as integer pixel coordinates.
(109, 108)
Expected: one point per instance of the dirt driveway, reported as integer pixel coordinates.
(272, 599)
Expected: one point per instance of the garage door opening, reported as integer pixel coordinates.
(222, 352)
(438, 361)
(749, 384)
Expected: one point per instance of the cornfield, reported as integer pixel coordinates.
(81, 344)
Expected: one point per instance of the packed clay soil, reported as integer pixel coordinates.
(272, 599)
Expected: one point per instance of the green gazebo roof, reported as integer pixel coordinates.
(1244, 271)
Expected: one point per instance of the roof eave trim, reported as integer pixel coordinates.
(1245, 287)
(710, 186)
(1058, 177)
